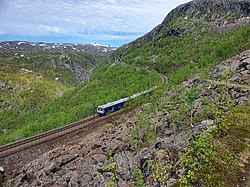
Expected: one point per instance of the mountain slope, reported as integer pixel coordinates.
(193, 36)
(221, 12)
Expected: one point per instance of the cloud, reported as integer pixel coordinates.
(83, 18)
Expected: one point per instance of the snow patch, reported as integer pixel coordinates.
(100, 45)
(19, 43)
(96, 44)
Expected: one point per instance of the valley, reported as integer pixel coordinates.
(192, 131)
(31, 79)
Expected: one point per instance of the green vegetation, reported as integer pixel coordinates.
(139, 178)
(108, 83)
(144, 131)
(48, 64)
(29, 80)
(181, 56)
(24, 92)
(160, 172)
(180, 108)
(213, 157)
(112, 168)
(210, 157)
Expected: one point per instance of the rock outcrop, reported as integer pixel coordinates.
(204, 10)
(79, 73)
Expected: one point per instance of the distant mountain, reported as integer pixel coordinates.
(22, 45)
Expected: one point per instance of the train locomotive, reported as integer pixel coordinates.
(111, 107)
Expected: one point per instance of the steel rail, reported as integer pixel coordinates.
(27, 143)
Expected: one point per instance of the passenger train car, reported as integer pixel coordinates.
(117, 105)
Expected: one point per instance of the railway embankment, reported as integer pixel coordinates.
(198, 125)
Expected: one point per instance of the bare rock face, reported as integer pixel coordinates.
(237, 71)
(218, 8)
(79, 73)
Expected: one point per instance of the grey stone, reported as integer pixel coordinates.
(125, 164)
(2, 84)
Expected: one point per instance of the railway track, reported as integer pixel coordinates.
(27, 143)
(164, 79)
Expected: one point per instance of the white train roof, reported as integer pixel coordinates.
(114, 103)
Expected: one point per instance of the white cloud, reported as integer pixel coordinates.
(114, 19)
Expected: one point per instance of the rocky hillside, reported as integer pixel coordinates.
(219, 12)
(184, 139)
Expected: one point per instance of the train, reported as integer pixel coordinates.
(111, 107)
(117, 105)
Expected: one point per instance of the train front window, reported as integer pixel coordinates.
(100, 109)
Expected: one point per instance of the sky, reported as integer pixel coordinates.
(107, 22)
